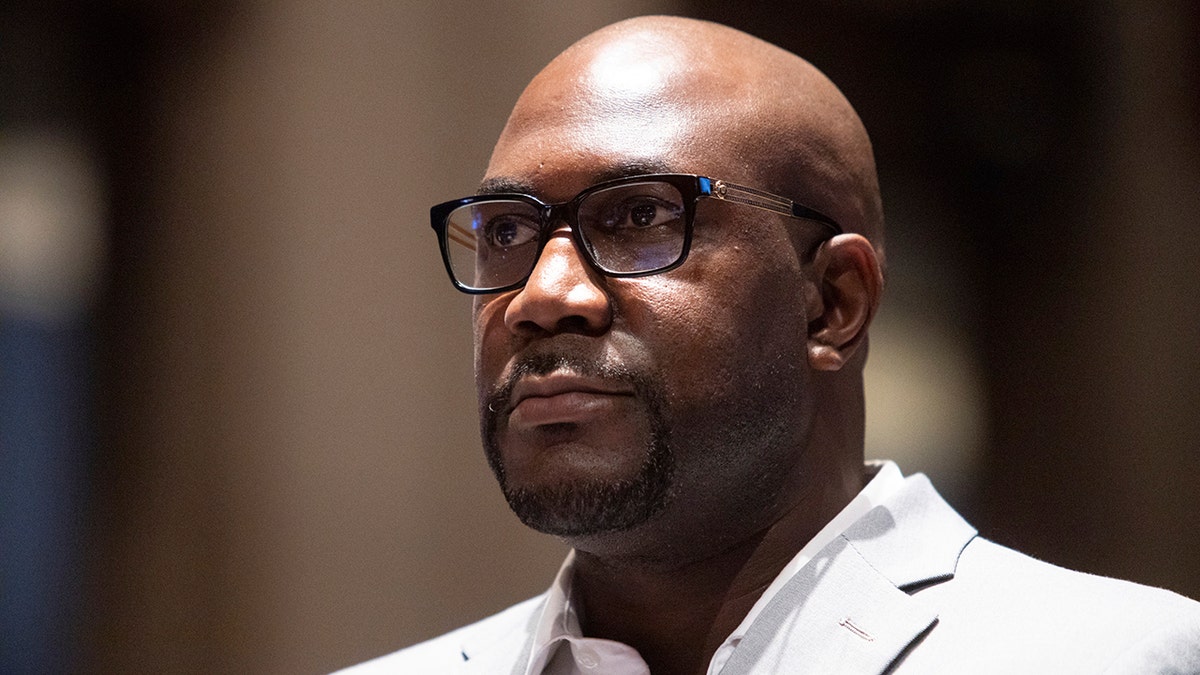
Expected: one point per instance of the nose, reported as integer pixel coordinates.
(563, 294)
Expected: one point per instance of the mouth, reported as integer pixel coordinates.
(564, 398)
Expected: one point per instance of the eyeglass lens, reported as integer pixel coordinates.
(626, 229)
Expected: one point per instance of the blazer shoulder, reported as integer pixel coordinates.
(988, 563)
(1064, 621)
(497, 638)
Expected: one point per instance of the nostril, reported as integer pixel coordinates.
(576, 324)
(527, 328)
(592, 324)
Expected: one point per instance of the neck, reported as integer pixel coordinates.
(677, 613)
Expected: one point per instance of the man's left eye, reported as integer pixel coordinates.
(642, 214)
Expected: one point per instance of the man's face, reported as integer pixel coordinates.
(673, 400)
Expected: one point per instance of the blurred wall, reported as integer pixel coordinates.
(288, 476)
(1096, 350)
(1038, 348)
(293, 478)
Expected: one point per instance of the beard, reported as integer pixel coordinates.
(585, 506)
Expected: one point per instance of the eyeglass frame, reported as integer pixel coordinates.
(691, 188)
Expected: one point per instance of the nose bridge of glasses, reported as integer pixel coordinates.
(564, 252)
(560, 229)
(557, 217)
(559, 221)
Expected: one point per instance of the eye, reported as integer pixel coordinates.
(509, 231)
(641, 213)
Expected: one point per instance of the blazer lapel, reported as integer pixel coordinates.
(914, 538)
(837, 615)
(847, 610)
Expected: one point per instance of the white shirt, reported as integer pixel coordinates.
(559, 647)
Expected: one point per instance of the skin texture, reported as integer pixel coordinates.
(685, 432)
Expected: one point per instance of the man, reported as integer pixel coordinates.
(669, 362)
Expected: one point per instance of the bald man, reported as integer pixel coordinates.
(676, 253)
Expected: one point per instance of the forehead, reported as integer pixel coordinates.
(627, 109)
(558, 156)
(601, 172)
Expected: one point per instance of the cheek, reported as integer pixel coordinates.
(721, 331)
(491, 339)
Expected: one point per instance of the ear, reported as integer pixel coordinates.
(848, 283)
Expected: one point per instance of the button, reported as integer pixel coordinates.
(587, 658)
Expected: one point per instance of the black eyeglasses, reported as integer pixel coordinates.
(628, 227)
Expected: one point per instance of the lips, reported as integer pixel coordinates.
(564, 398)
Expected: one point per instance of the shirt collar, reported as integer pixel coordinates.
(559, 621)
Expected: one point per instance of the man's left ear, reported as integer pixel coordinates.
(848, 283)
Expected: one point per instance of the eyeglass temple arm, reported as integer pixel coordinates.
(765, 200)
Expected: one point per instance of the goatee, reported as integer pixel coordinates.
(585, 506)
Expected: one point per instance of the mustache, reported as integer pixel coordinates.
(499, 400)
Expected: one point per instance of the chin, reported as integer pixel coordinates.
(588, 504)
(585, 508)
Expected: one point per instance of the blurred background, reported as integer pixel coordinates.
(237, 424)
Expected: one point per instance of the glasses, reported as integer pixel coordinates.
(629, 227)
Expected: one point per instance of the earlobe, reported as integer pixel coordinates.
(847, 287)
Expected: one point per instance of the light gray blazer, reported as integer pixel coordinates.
(909, 588)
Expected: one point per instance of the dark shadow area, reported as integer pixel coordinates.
(1002, 134)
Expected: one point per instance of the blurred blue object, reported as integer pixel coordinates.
(44, 457)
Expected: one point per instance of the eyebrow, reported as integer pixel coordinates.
(503, 184)
(507, 184)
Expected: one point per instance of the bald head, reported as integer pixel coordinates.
(684, 95)
(740, 366)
